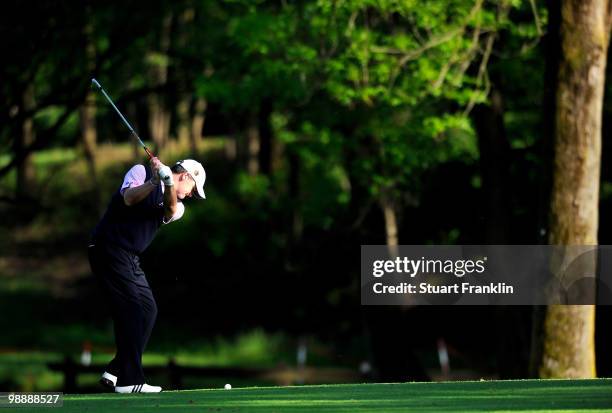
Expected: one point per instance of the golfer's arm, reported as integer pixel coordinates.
(169, 202)
(134, 195)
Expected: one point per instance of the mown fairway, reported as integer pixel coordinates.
(484, 396)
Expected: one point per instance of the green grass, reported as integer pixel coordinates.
(483, 396)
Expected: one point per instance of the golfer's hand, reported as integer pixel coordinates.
(156, 164)
(162, 171)
(166, 175)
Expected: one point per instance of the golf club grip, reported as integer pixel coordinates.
(141, 143)
(151, 156)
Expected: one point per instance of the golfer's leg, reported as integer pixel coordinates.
(98, 260)
(150, 313)
(147, 301)
(115, 269)
(113, 366)
(129, 323)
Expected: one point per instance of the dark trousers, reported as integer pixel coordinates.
(132, 307)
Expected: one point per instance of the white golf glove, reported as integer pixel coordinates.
(166, 175)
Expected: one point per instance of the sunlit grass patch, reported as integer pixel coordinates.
(489, 396)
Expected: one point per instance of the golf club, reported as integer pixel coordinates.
(99, 86)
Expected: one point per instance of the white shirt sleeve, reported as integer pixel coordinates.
(180, 210)
(136, 176)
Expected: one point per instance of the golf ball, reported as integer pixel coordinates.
(228, 386)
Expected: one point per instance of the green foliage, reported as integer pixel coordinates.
(402, 65)
(252, 188)
(404, 74)
(325, 194)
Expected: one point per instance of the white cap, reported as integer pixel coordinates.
(196, 171)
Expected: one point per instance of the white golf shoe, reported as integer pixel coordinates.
(138, 388)
(108, 380)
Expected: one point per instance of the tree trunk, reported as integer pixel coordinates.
(87, 120)
(159, 121)
(360, 202)
(494, 163)
(159, 115)
(231, 143)
(190, 111)
(183, 132)
(296, 222)
(569, 349)
(390, 215)
(265, 136)
(388, 207)
(253, 146)
(25, 168)
(197, 122)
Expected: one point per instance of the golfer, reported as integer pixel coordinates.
(150, 196)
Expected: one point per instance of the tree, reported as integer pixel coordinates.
(24, 138)
(159, 113)
(568, 349)
(87, 112)
(414, 71)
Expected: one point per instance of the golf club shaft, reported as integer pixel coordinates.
(99, 86)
